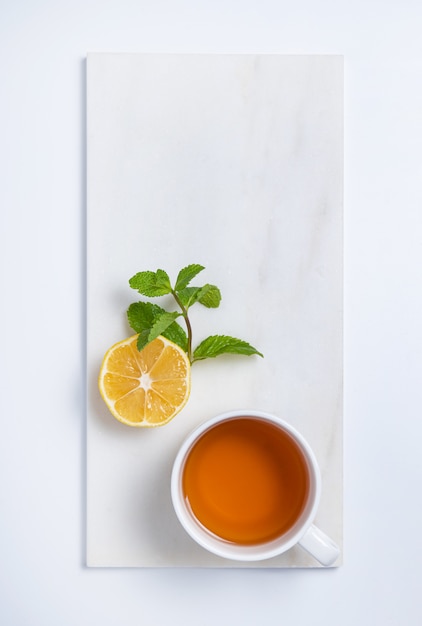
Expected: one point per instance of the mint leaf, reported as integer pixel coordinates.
(186, 274)
(151, 284)
(222, 344)
(209, 296)
(188, 296)
(161, 324)
(143, 315)
(143, 339)
(176, 334)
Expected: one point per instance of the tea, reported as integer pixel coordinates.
(246, 481)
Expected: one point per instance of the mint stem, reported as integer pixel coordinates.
(187, 322)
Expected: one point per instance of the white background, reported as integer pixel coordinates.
(43, 580)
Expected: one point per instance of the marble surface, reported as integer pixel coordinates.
(234, 162)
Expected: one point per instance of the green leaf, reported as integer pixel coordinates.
(186, 274)
(222, 344)
(151, 284)
(161, 324)
(188, 296)
(143, 339)
(209, 296)
(176, 334)
(142, 315)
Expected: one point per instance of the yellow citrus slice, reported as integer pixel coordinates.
(147, 387)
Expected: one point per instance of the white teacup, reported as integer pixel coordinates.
(246, 486)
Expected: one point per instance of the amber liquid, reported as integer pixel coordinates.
(246, 481)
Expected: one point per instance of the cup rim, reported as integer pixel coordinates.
(219, 546)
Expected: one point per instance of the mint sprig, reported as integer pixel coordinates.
(150, 320)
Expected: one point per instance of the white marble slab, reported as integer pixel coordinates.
(234, 162)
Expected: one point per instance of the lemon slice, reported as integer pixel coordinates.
(145, 388)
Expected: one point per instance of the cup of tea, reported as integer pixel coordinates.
(246, 486)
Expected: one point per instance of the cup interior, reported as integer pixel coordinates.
(231, 547)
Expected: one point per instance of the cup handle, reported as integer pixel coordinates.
(320, 546)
